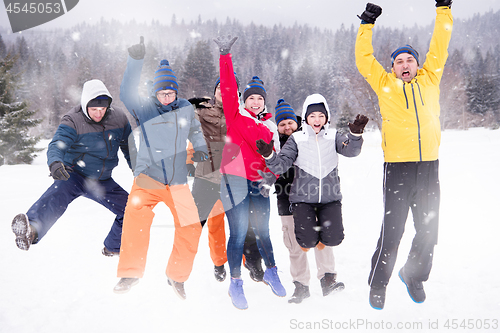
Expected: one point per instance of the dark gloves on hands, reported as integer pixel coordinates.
(59, 171)
(268, 179)
(191, 169)
(196, 101)
(441, 3)
(137, 51)
(199, 156)
(225, 44)
(371, 13)
(263, 148)
(359, 124)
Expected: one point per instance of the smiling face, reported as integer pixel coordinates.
(255, 103)
(405, 67)
(316, 120)
(96, 113)
(287, 127)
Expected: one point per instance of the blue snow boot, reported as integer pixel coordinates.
(415, 287)
(237, 295)
(377, 298)
(272, 279)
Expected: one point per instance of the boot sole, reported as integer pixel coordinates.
(408, 289)
(235, 304)
(336, 289)
(299, 300)
(124, 291)
(172, 283)
(20, 227)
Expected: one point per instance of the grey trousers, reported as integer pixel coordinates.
(299, 266)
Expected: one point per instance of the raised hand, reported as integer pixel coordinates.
(359, 124)
(371, 13)
(225, 43)
(137, 51)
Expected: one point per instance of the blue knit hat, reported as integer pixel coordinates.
(235, 76)
(283, 111)
(164, 78)
(255, 86)
(404, 49)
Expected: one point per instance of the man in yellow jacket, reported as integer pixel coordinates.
(409, 105)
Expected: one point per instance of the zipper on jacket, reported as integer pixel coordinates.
(107, 150)
(418, 123)
(320, 164)
(175, 152)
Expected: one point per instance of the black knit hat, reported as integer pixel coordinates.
(164, 78)
(255, 86)
(102, 101)
(317, 107)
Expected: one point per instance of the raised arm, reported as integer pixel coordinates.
(438, 48)
(228, 85)
(129, 88)
(368, 66)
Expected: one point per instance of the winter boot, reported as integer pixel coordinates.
(256, 272)
(178, 288)
(237, 295)
(329, 284)
(377, 298)
(109, 253)
(272, 279)
(220, 273)
(22, 229)
(301, 292)
(125, 284)
(415, 287)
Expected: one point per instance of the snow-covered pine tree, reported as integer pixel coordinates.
(16, 119)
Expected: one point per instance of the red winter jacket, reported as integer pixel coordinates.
(240, 157)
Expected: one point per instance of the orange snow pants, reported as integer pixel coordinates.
(143, 197)
(217, 234)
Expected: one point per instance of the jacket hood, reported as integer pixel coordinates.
(91, 90)
(315, 99)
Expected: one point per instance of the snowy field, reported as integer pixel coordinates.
(65, 284)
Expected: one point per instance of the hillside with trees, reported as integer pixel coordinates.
(294, 61)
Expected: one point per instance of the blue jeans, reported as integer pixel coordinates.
(53, 203)
(245, 205)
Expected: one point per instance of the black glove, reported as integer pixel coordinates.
(442, 3)
(268, 179)
(359, 124)
(191, 170)
(225, 44)
(59, 171)
(263, 148)
(199, 156)
(137, 51)
(196, 101)
(371, 13)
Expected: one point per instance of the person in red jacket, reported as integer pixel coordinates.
(245, 179)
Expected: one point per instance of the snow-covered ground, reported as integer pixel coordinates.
(64, 283)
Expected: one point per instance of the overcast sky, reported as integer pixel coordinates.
(322, 13)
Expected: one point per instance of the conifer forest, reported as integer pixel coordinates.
(42, 71)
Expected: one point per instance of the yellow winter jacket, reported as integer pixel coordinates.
(410, 111)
